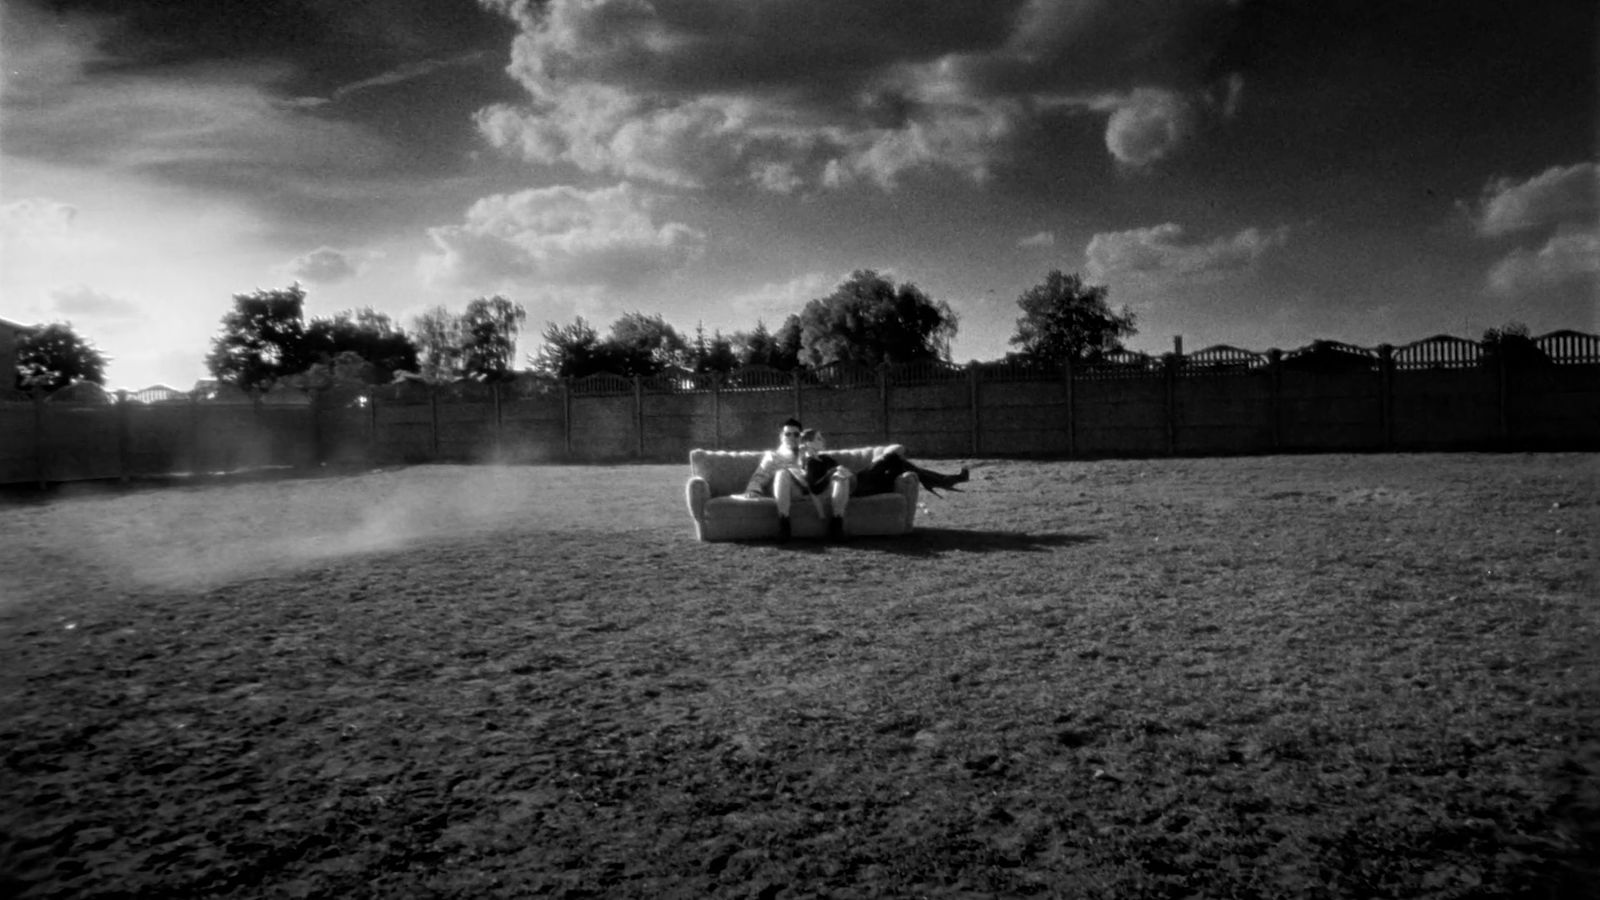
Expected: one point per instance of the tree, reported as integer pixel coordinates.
(371, 336)
(645, 345)
(573, 351)
(1063, 318)
(489, 330)
(437, 336)
(1512, 345)
(53, 356)
(714, 354)
(869, 320)
(760, 347)
(262, 339)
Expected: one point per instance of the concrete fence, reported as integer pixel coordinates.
(1440, 394)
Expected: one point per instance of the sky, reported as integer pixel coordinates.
(1256, 173)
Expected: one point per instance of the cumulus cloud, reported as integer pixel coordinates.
(324, 265)
(1572, 255)
(82, 300)
(830, 93)
(563, 235)
(1560, 194)
(1165, 250)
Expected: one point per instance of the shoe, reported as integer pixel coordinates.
(836, 528)
(783, 528)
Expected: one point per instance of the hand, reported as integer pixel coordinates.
(752, 495)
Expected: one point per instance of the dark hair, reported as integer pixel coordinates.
(791, 421)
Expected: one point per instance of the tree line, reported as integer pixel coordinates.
(265, 339)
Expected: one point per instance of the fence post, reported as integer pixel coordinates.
(1386, 394)
(372, 426)
(566, 417)
(317, 455)
(122, 436)
(1169, 364)
(1069, 378)
(1503, 391)
(638, 417)
(716, 410)
(975, 416)
(1275, 395)
(883, 401)
(38, 437)
(499, 424)
(433, 410)
(195, 459)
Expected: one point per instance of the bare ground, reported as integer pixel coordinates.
(1320, 676)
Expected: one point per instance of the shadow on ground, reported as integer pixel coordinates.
(939, 541)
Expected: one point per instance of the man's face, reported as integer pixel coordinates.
(790, 438)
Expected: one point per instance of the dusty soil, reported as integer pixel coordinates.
(1319, 676)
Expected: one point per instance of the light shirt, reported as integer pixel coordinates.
(773, 462)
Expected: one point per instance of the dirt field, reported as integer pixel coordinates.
(1319, 676)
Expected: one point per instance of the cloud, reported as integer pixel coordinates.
(36, 220)
(1150, 125)
(829, 93)
(397, 75)
(1557, 195)
(1164, 251)
(564, 235)
(773, 302)
(1572, 255)
(82, 300)
(1041, 239)
(325, 265)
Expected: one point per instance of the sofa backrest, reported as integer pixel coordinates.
(727, 471)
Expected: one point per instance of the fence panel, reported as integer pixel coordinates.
(604, 428)
(1223, 409)
(160, 437)
(467, 423)
(1445, 408)
(1121, 414)
(19, 457)
(403, 425)
(674, 424)
(533, 426)
(1554, 407)
(80, 440)
(1023, 418)
(748, 420)
(933, 418)
(850, 416)
(1330, 410)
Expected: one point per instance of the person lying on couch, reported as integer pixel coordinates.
(823, 475)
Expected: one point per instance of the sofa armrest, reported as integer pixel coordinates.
(909, 487)
(697, 492)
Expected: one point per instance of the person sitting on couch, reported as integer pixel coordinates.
(780, 473)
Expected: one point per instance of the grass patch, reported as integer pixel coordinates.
(1320, 676)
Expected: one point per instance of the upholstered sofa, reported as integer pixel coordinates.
(717, 479)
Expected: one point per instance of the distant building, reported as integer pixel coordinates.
(11, 333)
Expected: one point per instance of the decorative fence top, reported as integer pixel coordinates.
(1557, 348)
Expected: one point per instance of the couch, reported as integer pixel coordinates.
(718, 477)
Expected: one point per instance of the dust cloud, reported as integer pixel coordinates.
(201, 537)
